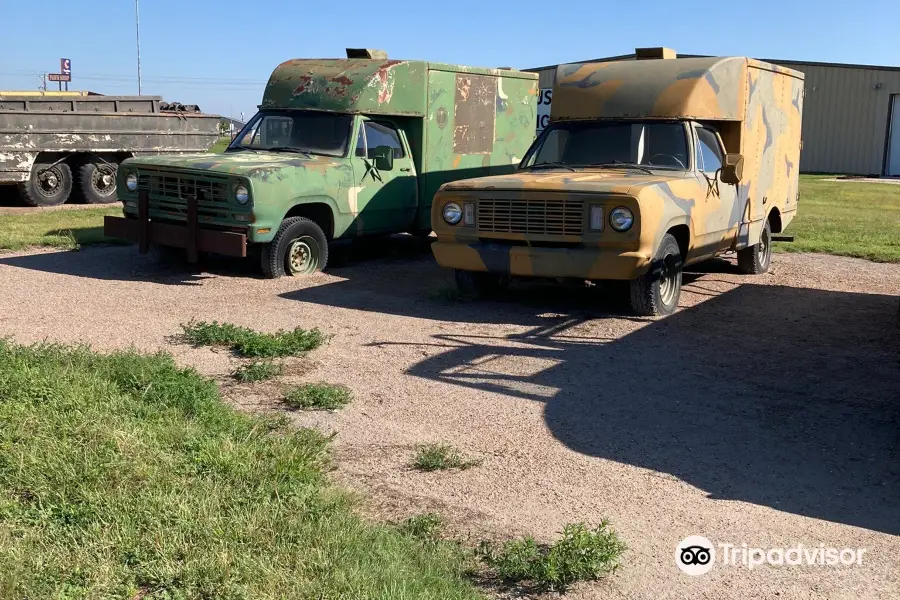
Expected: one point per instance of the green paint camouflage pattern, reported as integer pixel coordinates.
(419, 98)
(757, 109)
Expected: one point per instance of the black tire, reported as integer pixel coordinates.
(474, 284)
(656, 293)
(310, 239)
(755, 259)
(97, 182)
(49, 184)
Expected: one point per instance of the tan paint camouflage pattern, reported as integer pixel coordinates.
(755, 106)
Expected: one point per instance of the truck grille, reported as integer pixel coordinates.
(171, 186)
(531, 216)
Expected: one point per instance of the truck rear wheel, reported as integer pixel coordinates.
(298, 248)
(97, 182)
(755, 259)
(657, 292)
(49, 185)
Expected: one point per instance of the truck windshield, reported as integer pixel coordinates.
(298, 131)
(650, 144)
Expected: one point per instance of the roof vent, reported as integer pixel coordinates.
(366, 53)
(653, 53)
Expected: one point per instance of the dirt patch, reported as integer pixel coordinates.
(766, 411)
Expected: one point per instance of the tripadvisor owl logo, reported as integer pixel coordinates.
(695, 555)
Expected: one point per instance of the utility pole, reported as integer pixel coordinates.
(137, 25)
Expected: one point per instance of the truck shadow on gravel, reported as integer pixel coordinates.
(782, 397)
(778, 396)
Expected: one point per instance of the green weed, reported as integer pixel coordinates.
(435, 457)
(581, 554)
(246, 342)
(258, 370)
(321, 396)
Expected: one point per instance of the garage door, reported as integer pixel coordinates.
(893, 162)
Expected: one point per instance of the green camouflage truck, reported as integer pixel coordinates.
(340, 148)
(646, 165)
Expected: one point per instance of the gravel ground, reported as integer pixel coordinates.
(766, 411)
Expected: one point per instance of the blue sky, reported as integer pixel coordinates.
(219, 54)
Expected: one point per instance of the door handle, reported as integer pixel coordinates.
(406, 169)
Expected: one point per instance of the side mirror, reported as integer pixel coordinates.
(733, 169)
(384, 158)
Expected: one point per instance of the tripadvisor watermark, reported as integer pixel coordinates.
(697, 555)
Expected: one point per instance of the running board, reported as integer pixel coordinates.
(782, 238)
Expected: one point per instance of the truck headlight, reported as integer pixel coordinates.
(241, 194)
(621, 219)
(131, 182)
(452, 213)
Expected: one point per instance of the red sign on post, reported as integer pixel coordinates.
(65, 66)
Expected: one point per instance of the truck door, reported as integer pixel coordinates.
(385, 200)
(722, 212)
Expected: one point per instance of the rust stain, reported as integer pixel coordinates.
(457, 160)
(343, 80)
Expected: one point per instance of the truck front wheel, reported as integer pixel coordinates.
(755, 259)
(97, 182)
(49, 185)
(298, 248)
(657, 292)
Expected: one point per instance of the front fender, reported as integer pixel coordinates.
(269, 218)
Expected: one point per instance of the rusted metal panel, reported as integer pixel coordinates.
(370, 86)
(475, 107)
(227, 243)
(32, 124)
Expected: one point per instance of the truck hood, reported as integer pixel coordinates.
(247, 164)
(622, 181)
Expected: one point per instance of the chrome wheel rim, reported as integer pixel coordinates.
(668, 281)
(303, 256)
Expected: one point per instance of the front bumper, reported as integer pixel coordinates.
(582, 263)
(189, 236)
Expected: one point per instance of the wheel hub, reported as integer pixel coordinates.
(303, 256)
(668, 284)
(49, 181)
(103, 180)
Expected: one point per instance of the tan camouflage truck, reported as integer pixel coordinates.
(646, 166)
(340, 149)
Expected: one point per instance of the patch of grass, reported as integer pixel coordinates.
(125, 476)
(438, 457)
(58, 228)
(258, 370)
(318, 396)
(847, 219)
(220, 145)
(249, 343)
(426, 527)
(581, 554)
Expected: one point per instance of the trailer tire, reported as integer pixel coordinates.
(298, 248)
(49, 184)
(656, 293)
(97, 182)
(755, 259)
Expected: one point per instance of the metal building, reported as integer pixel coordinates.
(851, 115)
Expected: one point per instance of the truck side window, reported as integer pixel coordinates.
(709, 155)
(382, 134)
